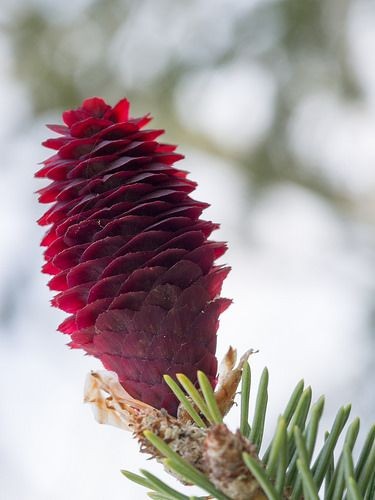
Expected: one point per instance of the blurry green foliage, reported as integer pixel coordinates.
(64, 58)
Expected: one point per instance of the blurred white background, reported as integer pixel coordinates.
(273, 104)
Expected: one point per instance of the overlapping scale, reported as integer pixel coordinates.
(129, 255)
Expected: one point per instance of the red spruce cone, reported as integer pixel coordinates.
(128, 252)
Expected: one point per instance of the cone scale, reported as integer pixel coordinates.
(129, 255)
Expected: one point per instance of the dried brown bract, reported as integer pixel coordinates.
(224, 466)
(215, 451)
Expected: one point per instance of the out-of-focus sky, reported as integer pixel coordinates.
(273, 104)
